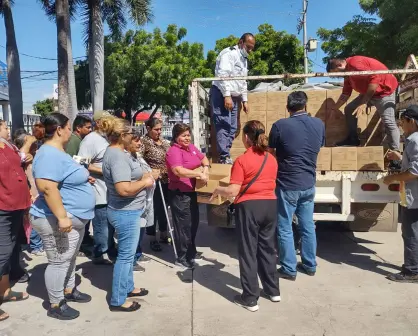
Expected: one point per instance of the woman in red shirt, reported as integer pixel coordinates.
(182, 159)
(14, 200)
(253, 184)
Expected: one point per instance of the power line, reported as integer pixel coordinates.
(43, 58)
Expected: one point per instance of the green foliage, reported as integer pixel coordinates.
(148, 70)
(44, 107)
(276, 52)
(390, 40)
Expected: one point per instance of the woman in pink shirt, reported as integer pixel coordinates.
(182, 159)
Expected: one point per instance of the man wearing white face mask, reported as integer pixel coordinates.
(226, 97)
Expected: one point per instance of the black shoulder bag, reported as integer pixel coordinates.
(230, 212)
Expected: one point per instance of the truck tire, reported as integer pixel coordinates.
(374, 217)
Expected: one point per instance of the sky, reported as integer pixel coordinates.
(205, 20)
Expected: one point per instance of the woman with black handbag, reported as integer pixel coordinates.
(253, 184)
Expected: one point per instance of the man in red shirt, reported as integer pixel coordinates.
(375, 90)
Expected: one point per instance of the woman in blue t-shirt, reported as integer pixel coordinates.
(65, 204)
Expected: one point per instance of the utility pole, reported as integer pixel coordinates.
(305, 38)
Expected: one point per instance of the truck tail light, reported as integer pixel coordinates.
(370, 187)
(394, 187)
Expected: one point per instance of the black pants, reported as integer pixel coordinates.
(159, 211)
(410, 240)
(257, 240)
(185, 211)
(11, 222)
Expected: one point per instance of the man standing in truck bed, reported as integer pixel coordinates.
(375, 90)
(226, 97)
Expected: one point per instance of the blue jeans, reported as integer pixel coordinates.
(226, 122)
(127, 226)
(300, 203)
(35, 241)
(103, 233)
(138, 253)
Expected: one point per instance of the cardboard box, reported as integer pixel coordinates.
(344, 158)
(335, 124)
(235, 152)
(257, 102)
(317, 104)
(370, 158)
(216, 173)
(205, 199)
(277, 100)
(324, 159)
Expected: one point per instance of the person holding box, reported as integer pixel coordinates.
(182, 160)
(375, 90)
(253, 185)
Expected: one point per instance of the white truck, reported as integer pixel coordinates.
(357, 198)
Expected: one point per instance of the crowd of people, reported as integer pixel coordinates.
(63, 178)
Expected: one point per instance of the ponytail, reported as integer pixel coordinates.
(256, 134)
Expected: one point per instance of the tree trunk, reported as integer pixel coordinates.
(63, 23)
(13, 68)
(96, 56)
(72, 93)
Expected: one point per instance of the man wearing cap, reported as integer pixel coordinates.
(375, 90)
(93, 147)
(408, 179)
(226, 97)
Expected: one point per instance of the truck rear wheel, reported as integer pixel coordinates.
(374, 217)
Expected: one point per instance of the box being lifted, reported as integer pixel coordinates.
(219, 175)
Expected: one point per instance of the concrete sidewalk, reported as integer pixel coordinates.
(349, 295)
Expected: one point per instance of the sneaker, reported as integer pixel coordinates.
(227, 161)
(198, 256)
(20, 276)
(272, 298)
(63, 312)
(138, 268)
(251, 306)
(302, 269)
(143, 259)
(353, 141)
(283, 275)
(403, 277)
(101, 261)
(186, 265)
(77, 296)
(38, 253)
(395, 166)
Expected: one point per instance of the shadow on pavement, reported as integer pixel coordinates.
(214, 278)
(339, 246)
(100, 276)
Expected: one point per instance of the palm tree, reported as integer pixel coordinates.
(61, 11)
(96, 12)
(13, 65)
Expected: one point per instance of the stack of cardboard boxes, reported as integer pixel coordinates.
(268, 107)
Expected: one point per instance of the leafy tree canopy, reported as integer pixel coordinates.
(390, 39)
(44, 107)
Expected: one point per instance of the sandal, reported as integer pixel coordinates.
(2, 313)
(155, 246)
(142, 292)
(14, 297)
(133, 307)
